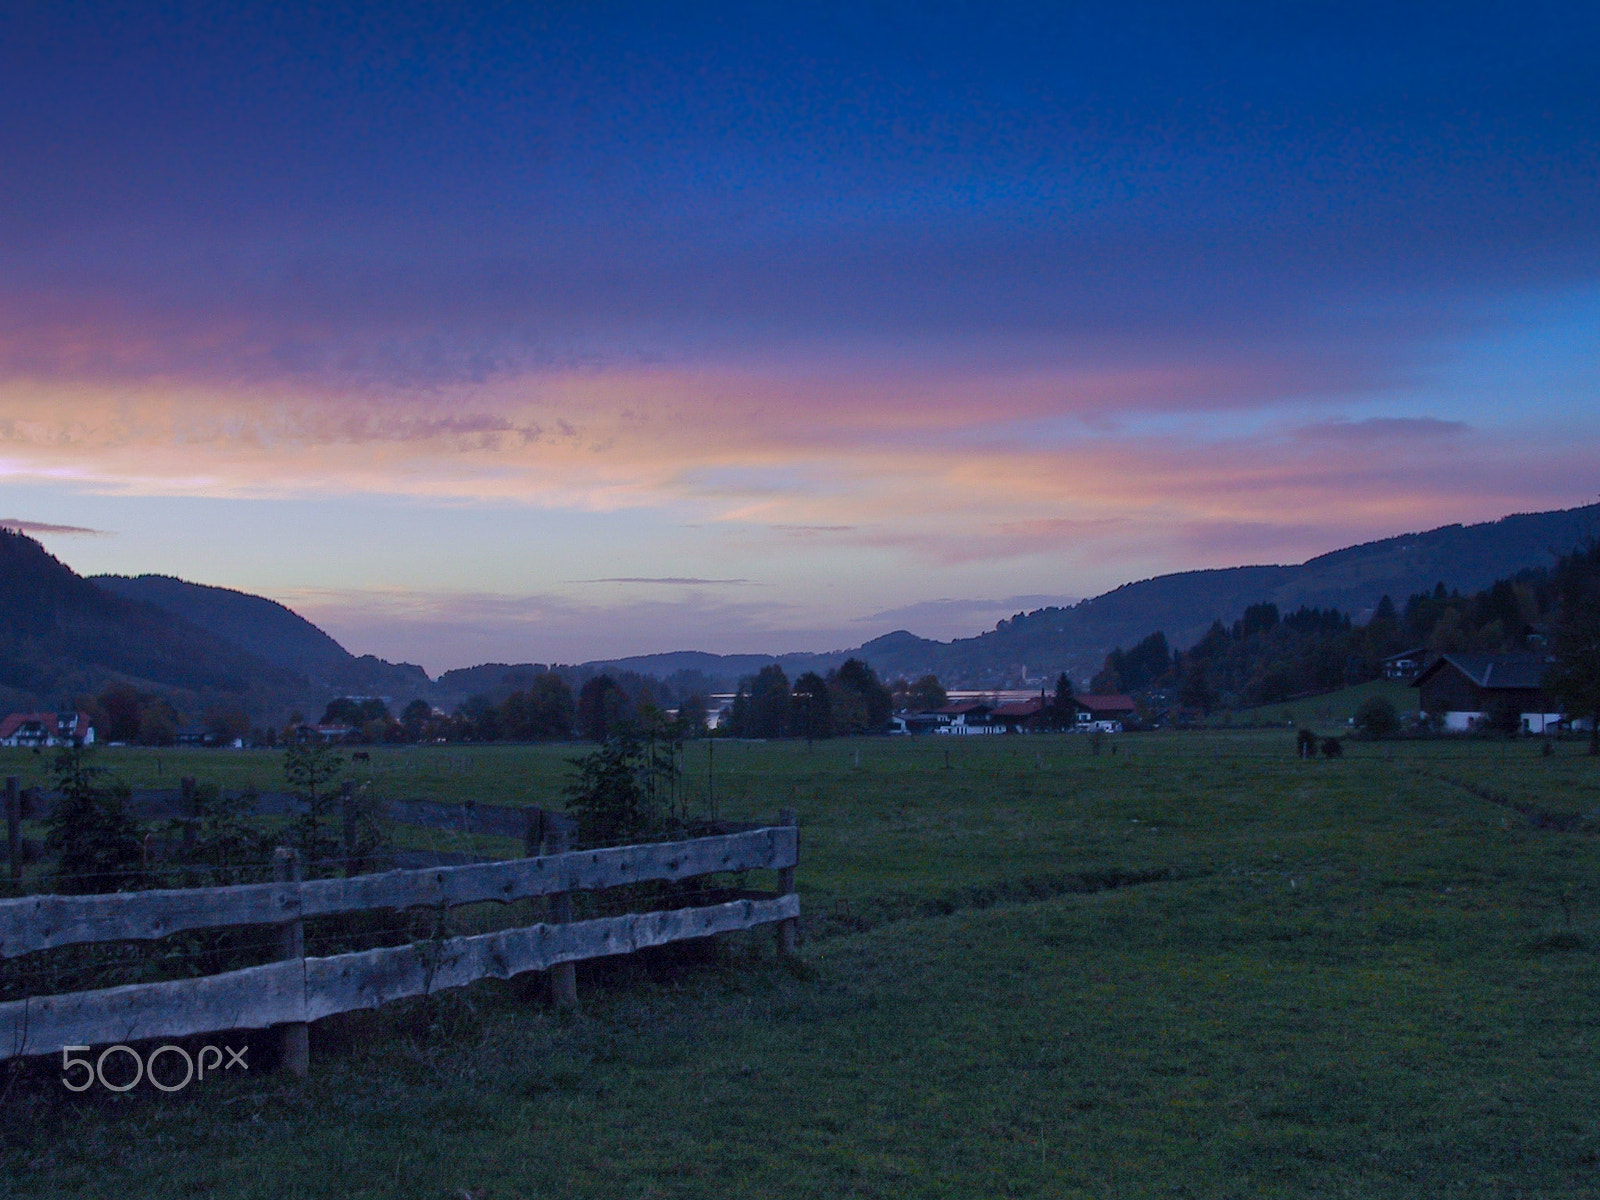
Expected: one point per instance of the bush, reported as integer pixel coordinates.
(1377, 718)
(1504, 716)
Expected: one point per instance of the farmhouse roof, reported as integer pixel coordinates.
(1021, 708)
(955, 710)
(1508, 671)
(75, 725)
(1106, 703)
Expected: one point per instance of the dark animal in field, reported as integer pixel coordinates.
(360, 756)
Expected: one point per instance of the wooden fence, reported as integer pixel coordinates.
(296, 990)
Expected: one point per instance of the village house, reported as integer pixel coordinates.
(1023, 716)
(965, 719)
(1110, 713)
(47, 729)
(1405, 665)
(1463, 690)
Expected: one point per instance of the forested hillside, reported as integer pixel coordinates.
(60, 636)
(1268, 656)
(268, 630)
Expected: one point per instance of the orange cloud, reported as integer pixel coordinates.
(954, 469)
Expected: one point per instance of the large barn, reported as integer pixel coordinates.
(1465, 689)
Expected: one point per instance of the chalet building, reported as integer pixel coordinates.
(966, 719)
(1463, 689)
(1101, 712)
(1022, 716)
(1405, 665)
(47, 729)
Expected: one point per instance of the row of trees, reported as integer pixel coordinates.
(851, 699)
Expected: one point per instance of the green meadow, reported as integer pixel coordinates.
(1190, 965)
(1328, 713)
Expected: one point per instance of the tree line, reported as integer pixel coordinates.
(850, 699)
(1267, 656)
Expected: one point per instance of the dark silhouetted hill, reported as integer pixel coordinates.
(61, 635)
(1183, 605)
(269, 631)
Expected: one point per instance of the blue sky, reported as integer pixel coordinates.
(421, 319)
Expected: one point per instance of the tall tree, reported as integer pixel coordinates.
(1062, 712)
(769, 703)
(480, 718)
(692, 714)
(120, 703)
(859, 700)
(602, 708)
(927, 693)
(1196, 690)
(545, 712)
(1575, 679)
(812, 715)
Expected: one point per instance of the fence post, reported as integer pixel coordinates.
(532, 831)
(789, 930)
(347, 813)
(296, 1043)
(14, 829)
(563, 976)
(187, 804)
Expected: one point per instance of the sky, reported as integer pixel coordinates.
(483, 332)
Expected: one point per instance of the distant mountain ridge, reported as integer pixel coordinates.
(60, 633)
(1183, 605)
(1354, 579)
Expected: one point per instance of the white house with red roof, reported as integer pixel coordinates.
(969, 718)
(1023, 715)
(47, 729)
(1104, 711)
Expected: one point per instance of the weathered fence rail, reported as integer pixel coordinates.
(304, 990)
(43, 922)
(299, 990)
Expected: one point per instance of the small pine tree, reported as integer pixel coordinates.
(627, 789)
(606, 797)
(310, 769)
(96, 843)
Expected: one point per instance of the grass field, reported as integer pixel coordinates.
(1197, 967)
(1329, 713)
